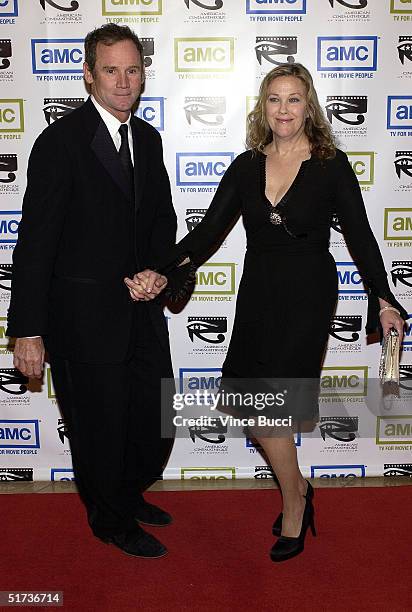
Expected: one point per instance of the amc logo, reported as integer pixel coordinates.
(349, 278)
(11, 115)
(132, 7)
(199, 379)
(201, 168)
(56, 55)
(215, 279)
(9, 8)
(350, 381)
(356, 53)
(19, 434)
(400, 7)
(395, 429)
(152, 110)
(51, 393)
(398, 224)
(210, 473)
(61, 475)
(363, 165)
(204, 54)
(9, 226)
(337, 471)
(4, 341)
(399, 113)
(270, 7)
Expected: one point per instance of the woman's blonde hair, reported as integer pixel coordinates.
(317, 128)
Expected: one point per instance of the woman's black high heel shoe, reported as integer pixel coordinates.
(277, 525)
(287, 547)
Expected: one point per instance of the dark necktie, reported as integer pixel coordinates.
(125, 157)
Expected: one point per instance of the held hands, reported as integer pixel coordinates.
(145, 285)
(389, 318)
(29, 356)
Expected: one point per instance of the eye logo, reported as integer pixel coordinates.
(205, 110)
(209, 7)
(74, 5)
(12, 381)
(397, 469)
(56, 108)
(5, 276)
(148, 50)
(405, 376)
(345, 324)
(204, 327)
(403, 163)
(335, 224)
(215, 428)
(339, 106)
(16, 474)
(405, 48)
(357, 4)
(342, 429)
(62, 430)
(262, 472)
(269, 46)
(402, 272)
(5, 53)
(193, 217)
(8, 165)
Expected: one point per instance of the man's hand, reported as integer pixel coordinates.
(29, 356)
(145, 285)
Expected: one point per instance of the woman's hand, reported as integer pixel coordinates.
(390, 318)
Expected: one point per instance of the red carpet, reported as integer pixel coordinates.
(218, 559)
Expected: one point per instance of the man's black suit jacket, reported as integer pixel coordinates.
(81, 233)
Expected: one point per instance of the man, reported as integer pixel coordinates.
(97, 209)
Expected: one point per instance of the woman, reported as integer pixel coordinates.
(288, 185)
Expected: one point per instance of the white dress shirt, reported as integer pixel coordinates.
(113, 125)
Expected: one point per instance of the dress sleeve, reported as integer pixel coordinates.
(361, 242)
(201, 242)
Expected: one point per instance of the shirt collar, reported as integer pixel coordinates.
(112, 123)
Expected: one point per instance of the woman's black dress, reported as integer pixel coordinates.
(288, 291)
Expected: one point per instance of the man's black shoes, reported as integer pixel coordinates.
(148, 514)
(137, 543)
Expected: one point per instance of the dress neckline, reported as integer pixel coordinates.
(291, 188)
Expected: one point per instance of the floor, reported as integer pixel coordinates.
(185, 485)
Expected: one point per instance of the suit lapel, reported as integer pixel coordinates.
(103, 147)
(140, 162)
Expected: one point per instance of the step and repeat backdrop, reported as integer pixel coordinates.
(204, 61)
